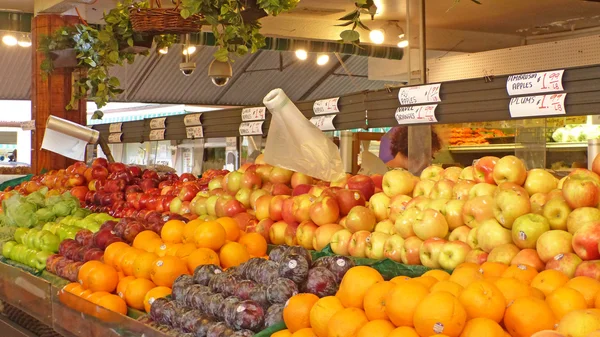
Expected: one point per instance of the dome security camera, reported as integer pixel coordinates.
(187, 68)
(220, 72)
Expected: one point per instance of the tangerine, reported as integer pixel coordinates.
(232, 254)
(142, 240)
(355, 284)
(202, 256)
(466, 275)
(378, 327)
(113, 250)
(492, 269)
(95, 297)
(483, 299)
(210, 234)
(103, 278)
(549, 280)
(231, 228)
(403, 331)
(402, 301)
(438, 274)
(113, 303)
(185, 250)
(122, 285)
(85, 270)
(587, 286)
(427, 281)
(512, 289)
(136, 292)
(321, 313)
(296, 313)
(521, 272)
(440, 313)
(528, 315)
(189, 229)
(481, 326)
(374, 302)
(153, 294)
(172, 231)
(564, 300)
(142, 265)
(154, 245)
(346, 323)
(306, 332)
(282, 333)
(255, 244)
(447, 286)
(126, 262)
(166, 269)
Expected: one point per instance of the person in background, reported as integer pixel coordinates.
(393, 149)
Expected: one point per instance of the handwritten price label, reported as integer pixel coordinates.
(230, 144)
(533, 83)
(115, 127)
(326, 106)
(421, 94)
(192, 119)
(416, 114)
(254, 114)
(115, 137)
(535, 106)
(251, 128)
(28, 126)
(157, 134)
(194, 132)
(324, 123)
(158, 123)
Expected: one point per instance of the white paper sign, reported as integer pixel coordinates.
(28, 126)
(194, 132)
(157, 134)
(64, 145)
(326, 106)
(251, 128)
(230, 143)
(115, 137)
(324, 123)
(534, 106)
(534, 83)
(254, 114)
(192, 119)
(115, 128)
(420, 94)
(158, 123)
(416, 114)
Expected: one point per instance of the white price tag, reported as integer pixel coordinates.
(533, 83)
(158, 134)
(194, 132)
(254, 114)
(192, 119)
(28, 126)
(324, 123)
(230, 143)
(326, 106)
(115, 127)
(534, 106)
(416, 114)
(158, 123)
(115, 137)
(251, 128)
(421, 94)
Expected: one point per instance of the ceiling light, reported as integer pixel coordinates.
(25, 41)
(190, 50)
(322, 59)
(301, 54)
(377, 36)
(9, 40)
(403, 43)
(163, 50)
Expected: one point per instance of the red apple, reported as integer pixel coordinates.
(483, 169)
(286, 211)
(379, 204)
(540, 181)
(432, 172)
(324, 210)
(582, 189)
(188, 192)
(290, 234)
(375, 245)
(263, 228)
(79, 192)
(565, 263)
(580, 217)
(585, 241)
(100, 162)
(262, 206)
(398, 181)
(277, 233)
(528, 257)
(276, 207)
(358, 244)
(243, 196)
(537, 202)
(377, 180)
(215, 183)
(442, 189)
(393, 248)
(411, 250)
(430, 224)
(552, 243)
(430, 252)
(347, 199)
(340, 242)
(301, 189)
(254, 196)
(116, 167)
(589, 269)
(232, 182)
(233, 207)
(323, 235)
(397, 206)
(509, 169)
(360, 218)
(281, 189)
(477, 210)
(557, 211)
(300, 179)
(264, 172)
(404, 224)
(453, 253)
(503, 253)
(280, 175)
(301, 207)
(245, 220)
(316, 190)
(476, 256)
(362, 183)
(423, 188)
(305, 234)
(452, 173)
(511, 202)
(99, 172)
(462, 189)
(251, 180)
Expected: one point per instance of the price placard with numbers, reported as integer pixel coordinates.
(254, 114)
(115, 137)
(324, 123)
(158, 134)
(541, 105)
(158, 123)
(192, 119)
(326, 106)
(251, 128)
(28, 126)
(194, 132)
(115, 127)
(416, 114)
(535, 83)
(420, 94)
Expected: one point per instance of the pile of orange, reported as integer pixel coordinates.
(491, 300)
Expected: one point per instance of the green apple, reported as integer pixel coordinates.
(7, 248)
(527, 229)
(20, 233)
(48, 242)
(41, 258)
(30, 258)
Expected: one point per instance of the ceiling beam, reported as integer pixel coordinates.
(322, 79)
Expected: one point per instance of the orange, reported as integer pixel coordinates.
(172, 231)
(189, 229)
(154, 245)
(346, 323)
(142, 265)
(549, 280)
(296, 313)
(73, 287)
(521, 272)
(173, 248)
(374, 302)
(153, 294)
(355, 284)
(113, 303)
(211, 235)
(447, 286)
(202, 256)
(467, 265)
(321, 313)
(95, 297)
(528, 315)
(113, 250)
(122, 285)
(483, 299)
(427, 281)
(597, 301)
(85, 270)
(587, 286)
(255, 244)
(126, 262)
(438, 274)
(564, 300)
(103, 278)
(231, 228)
(163, 249)
(166, 269)
(440, 313)
(136, 292)
(378, 327)
(402, 301)
(535, 292)
(403, 331)
(492, 269)
(466, 275)
(282, 333)
(479, 327)
(306, 332)
(399, 279)
(232, 254)
(142, 240)
(512, 289)
(120, 256)
(185, 250)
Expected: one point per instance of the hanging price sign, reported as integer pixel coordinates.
(420, 94)
(254, 114)
(192, 119)
(324, 123)
(536, 106)
(534, 83)
(158, 123)
(416, 114)
(326, 106)
(251, 128)
(158, 134)
(115, 137)
(28, 126)
(194, 132)
(115, 127)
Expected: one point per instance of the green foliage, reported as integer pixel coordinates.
(353, 19)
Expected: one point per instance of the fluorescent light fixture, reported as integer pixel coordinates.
(301, 54)
(322, 59)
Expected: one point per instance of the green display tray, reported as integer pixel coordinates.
(15, 182)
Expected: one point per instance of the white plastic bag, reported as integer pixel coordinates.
(296, 144)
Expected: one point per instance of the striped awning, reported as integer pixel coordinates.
(107, 119)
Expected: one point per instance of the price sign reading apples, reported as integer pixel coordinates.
(157, 134)
(192, 119)
(534, 83)
(416, 114)
(115, 127)
(158, 123)
(324, 123)
(420, 94)
(535, 106)
(254, 114)
(194, 132)
(115, 137)
(326, 106)
(251, 128)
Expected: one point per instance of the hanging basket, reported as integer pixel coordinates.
(141, 44)
(252, 12)
(163, 20)
(64, 58)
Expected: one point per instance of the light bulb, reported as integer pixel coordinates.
(191, 49)
(9, 40)
(377, 36)
(322, 59)
(163, 50)
(25, 41)
(301, 54)
(403, 44)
